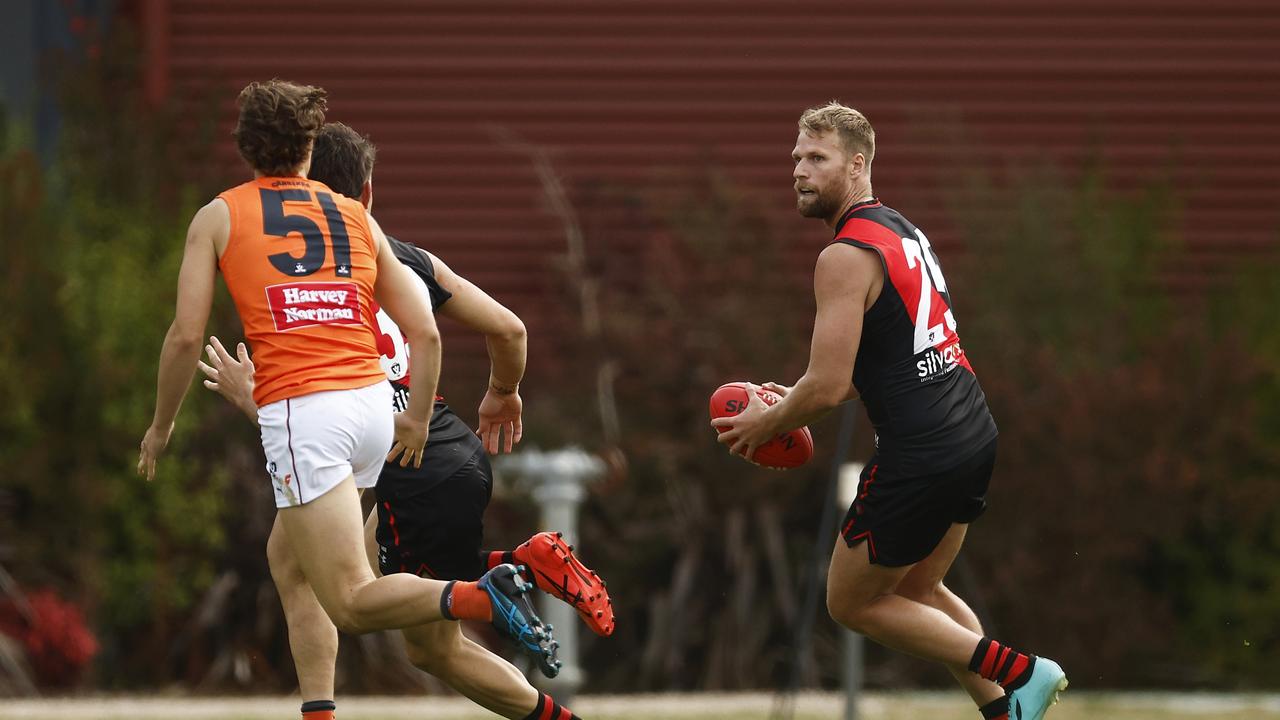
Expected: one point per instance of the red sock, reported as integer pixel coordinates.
(318, 710)
(494, 558)
(547, 709)
(465, 601)
(1001, 664)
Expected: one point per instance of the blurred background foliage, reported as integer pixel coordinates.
(1134, 528)
(93, 247)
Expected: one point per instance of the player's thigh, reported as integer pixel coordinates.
(284, 566)
(959, 496)
(853, 581)
(925, 576)
(327, 537)
(371, 541)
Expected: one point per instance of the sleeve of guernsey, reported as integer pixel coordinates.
(418, 262)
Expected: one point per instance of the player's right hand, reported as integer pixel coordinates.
(153, 443)
(230, 377)
(781, 390)
(500, 427)
(411, 438)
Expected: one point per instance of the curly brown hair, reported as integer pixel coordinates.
(278, 122)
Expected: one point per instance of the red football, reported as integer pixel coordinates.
(788, 450)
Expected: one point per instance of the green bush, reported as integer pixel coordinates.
(1133, 522)
(94, 244)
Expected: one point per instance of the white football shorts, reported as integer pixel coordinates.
(313, 442)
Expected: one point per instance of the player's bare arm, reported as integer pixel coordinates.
(181, 350)
(500, 426)
(845, 282)
(398, 294)
(781, 390)
(504, 332)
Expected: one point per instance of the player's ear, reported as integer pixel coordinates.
(366, 195)
(857, 165)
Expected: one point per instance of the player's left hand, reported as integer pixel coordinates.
(153, 443)
(747, 430)
(500, 428)
(779, 390)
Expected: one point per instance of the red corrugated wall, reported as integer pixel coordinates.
(630, 91)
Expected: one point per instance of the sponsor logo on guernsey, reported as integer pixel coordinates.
(306, 304)
(399, 397)
(937, 362)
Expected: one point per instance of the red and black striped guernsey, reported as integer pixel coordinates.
(919, 389)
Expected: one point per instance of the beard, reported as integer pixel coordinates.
(820, 204)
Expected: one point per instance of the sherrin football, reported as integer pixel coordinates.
(788, 450)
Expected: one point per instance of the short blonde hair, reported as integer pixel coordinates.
(856, 133)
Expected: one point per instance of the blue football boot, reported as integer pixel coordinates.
(1032, 699)
(514, 617)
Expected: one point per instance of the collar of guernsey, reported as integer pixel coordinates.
(869, 203)
(301, 264)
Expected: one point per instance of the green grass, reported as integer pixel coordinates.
(876, 706)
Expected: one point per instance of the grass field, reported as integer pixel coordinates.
(874, 706)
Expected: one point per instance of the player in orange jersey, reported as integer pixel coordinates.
(304, 265)
(429, 520)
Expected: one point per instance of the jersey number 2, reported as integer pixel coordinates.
(920, 255)
(276, 222)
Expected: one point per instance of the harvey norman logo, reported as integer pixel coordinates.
(304, 304)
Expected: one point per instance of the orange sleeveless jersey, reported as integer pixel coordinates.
(301, 264)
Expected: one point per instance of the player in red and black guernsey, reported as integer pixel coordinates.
(885, 330)
(428, 520)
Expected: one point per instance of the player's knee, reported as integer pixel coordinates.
(347, 620)
(349, 624)
(841, 609)
(852, 610)
(284, 567)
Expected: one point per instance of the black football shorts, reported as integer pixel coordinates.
(902, 519)
(433, 527)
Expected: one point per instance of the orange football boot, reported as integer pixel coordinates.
(557, 571)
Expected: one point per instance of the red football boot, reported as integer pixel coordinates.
(557, 571)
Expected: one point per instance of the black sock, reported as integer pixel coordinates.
(320, 709)
(996, 709)
(446, 597)
(547, 709)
